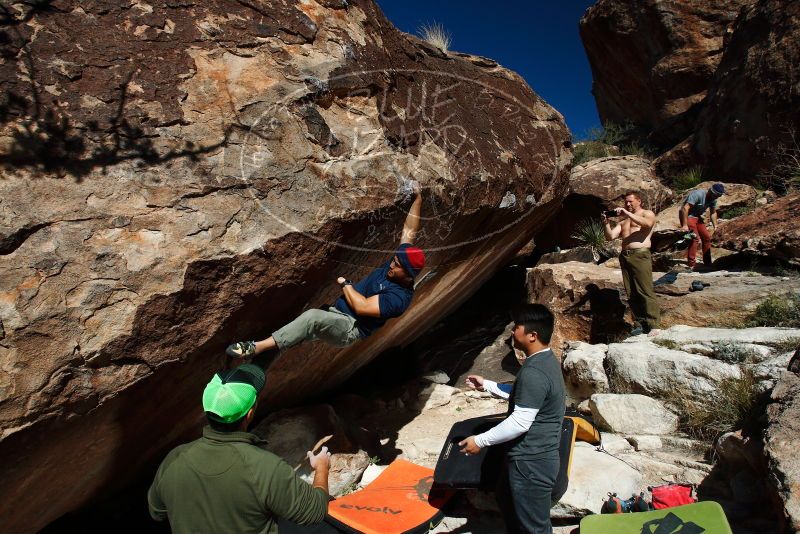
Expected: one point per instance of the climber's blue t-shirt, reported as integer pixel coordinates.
(393, 299)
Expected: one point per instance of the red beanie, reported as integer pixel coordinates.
(411, 258)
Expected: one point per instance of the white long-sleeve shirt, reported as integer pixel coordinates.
(511, 427)
(494, 389)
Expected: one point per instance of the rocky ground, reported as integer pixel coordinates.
(628, 388)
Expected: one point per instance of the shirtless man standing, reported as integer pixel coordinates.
(635, 260)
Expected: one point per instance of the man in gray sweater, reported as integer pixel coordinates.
(531, 432)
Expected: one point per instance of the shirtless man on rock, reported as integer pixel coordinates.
(636, 263)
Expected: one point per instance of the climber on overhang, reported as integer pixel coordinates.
(363, 307)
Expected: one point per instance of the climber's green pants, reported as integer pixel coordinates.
(331, 326)
(637, 275)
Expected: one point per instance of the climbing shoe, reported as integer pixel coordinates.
(241, 349)
(698, 285)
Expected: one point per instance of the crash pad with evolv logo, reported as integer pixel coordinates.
(402, 500)
(704, 517)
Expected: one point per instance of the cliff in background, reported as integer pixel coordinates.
(711, 83)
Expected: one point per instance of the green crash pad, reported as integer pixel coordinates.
(699, 518)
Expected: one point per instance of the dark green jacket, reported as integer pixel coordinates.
(224, 482)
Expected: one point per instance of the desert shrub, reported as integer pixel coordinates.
(633, 149)
(732, 352)
(590, 233)
(777, 310)
(688, 179)
(787, 345)
(784, 175)
(616, 134)
(610, 140)
(589, 150)
(436, 35)
(738, 211)
(736, 403)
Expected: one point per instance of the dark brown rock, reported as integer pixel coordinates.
(179, 175)
(771, 230)
(652, 60)
(598, 185)
(753, 103)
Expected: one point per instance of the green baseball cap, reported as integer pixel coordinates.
(231, 393)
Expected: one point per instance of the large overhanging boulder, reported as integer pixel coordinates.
(180, 175)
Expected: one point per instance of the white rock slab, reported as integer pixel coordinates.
(434, 396)
(645, 443)
(615, 444)
(644, 367)
(705, 336)
(583, 370)
(592, 476)
(632, 414)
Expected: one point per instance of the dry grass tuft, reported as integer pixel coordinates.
(436, 35)
(732, 406)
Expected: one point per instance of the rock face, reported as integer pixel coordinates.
(587, 300)
(781, 444)
(176, 176)
(598, 185)
(615, 413)
(650, 369)
(583, 370)
(713, 82)
(679, 359)
(753, 104)
(653, 61)
(608, 179)
(591, 306)
(592, 475)
(771, 230)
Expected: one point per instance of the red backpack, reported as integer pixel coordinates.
(670, 495)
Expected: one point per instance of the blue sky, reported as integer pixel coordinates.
(536, 38)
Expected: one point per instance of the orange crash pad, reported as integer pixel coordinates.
(402, 500)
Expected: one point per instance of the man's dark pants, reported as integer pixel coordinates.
(637, 277)
(523, 494)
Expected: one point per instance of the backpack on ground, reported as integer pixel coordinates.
(670, 495)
